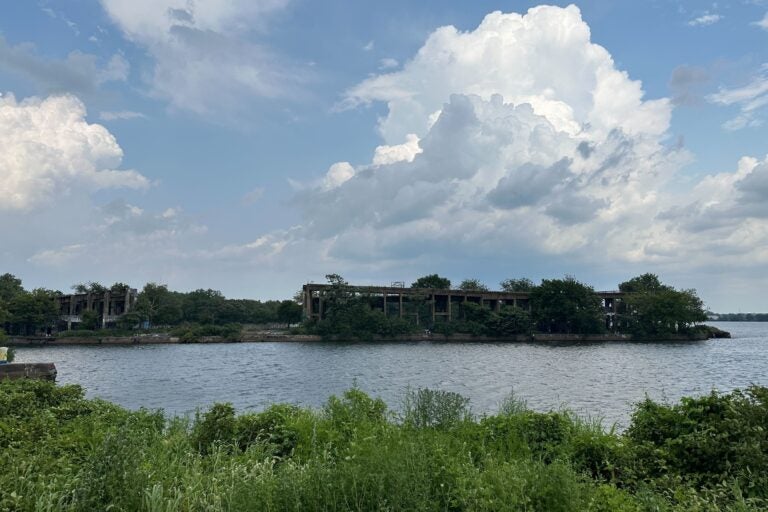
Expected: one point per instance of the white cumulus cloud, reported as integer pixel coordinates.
(522, 137)
(544, 58)
(49, 149)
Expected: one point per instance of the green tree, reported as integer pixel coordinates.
(509, 322)
(472, 285)
(119, 289)
(10, 287)
(129, 320)
(89, 287)
(289, 312)
(203, 306)
(159, 306)
(651, 309)
(522, 284)
(90, 320)
(566, 306)
(33, 311)
(432, 281)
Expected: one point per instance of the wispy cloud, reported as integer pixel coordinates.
(388, 63)
(751, 99)
(705, 20)
(121, 115)
(763, 23)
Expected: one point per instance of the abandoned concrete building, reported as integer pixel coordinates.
(108, 305)
(427, 306)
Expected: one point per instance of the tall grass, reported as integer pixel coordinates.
(59, 451)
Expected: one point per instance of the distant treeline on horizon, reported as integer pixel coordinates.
(739, 317)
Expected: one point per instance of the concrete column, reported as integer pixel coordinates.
(107, 302)
(434, 299)
(307, 302)
(449, 307)
(401, 305)
(384, 294)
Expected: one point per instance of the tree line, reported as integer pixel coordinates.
(739, 317)
(28, 312)
(648, 309)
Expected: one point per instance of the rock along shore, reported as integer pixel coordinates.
(271, 336)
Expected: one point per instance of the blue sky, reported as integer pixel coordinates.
(233, 144)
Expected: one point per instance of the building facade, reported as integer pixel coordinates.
(109, 306)
(432, 306)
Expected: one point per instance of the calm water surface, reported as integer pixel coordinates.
(594, 379)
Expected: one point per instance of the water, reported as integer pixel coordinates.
(593, 379)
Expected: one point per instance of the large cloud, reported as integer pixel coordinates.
(203, 60)
(48, 149)
(544, 58)
(522, 136)
(526, 135)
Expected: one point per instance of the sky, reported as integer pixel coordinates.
(251, 146)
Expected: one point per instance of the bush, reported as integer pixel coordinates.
(705, 440)
(193, 333)
(60, 451)
(428, 408)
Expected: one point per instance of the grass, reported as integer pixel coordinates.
(60, 451)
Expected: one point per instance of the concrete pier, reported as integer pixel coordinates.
(42, 371)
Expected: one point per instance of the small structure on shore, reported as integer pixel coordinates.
(42, 371)
(9, 370)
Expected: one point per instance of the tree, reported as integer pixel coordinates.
(119, 289)
(643, 283)
(89, 287)
(517, 285)
(158, 305)
(432, 281)
(471, 285)
(566, 306)
(651, 309)
(10, 287)
(32, 311)
(129, 320)
(289, 312)
(203, 306)
(89, 320)
(509, 322)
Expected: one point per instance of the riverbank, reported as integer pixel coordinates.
(276, 336)
(64, 452)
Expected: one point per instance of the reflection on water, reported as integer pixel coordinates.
(598, 379)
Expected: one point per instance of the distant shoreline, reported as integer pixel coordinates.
(288, 338)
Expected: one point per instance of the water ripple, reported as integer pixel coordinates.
(601, 380)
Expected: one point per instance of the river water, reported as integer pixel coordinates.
(599, 380)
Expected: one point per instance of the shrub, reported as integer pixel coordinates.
(271, 428)
(217, 426)
(429, 408)
(706, 439)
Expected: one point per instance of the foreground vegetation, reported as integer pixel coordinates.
(63, 452)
